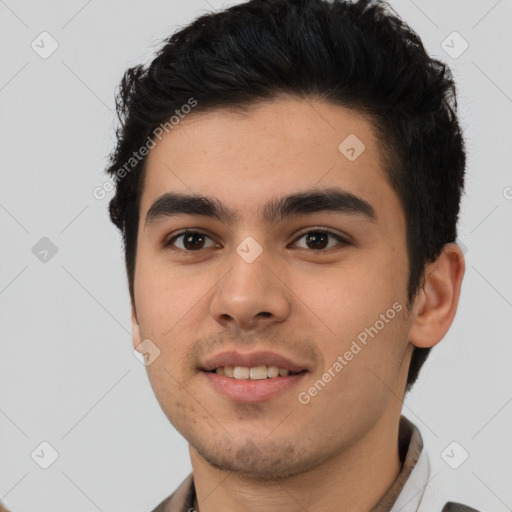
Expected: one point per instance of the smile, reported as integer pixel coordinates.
(253, 373)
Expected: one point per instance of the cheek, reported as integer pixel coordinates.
(362, 338)
(361, 307)
(351, 295)
(165, 296)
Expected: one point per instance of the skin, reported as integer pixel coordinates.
(341, 447)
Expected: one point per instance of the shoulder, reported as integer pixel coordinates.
(457, 507)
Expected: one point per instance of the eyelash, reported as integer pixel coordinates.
(343, 242)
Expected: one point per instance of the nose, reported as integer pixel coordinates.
(251, 295)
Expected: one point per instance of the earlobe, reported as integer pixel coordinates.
(136, 338)
(436, 303)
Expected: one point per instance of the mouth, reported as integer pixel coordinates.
(261, 372)
(252, 377)
(252, 365)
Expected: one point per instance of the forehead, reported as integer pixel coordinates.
(275, 148)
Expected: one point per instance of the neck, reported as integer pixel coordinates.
(354, 480)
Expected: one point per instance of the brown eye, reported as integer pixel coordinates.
(190, 241)
(318, 240)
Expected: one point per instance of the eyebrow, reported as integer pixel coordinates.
(327, 200)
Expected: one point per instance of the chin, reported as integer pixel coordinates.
(274, 461)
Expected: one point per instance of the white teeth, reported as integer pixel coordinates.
(258, 373)
(254, 373)
(241, 372)
(273, 371)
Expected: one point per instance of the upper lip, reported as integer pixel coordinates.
(252, 359)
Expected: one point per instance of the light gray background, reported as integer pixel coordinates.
(67, 372)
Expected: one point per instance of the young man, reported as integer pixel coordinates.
(288, 177)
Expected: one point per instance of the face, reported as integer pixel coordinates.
(317, 286)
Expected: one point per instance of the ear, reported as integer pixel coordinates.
(436, 303)
(136, 337)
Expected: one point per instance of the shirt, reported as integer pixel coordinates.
(412, 490)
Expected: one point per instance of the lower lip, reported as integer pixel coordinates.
(246, 390)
